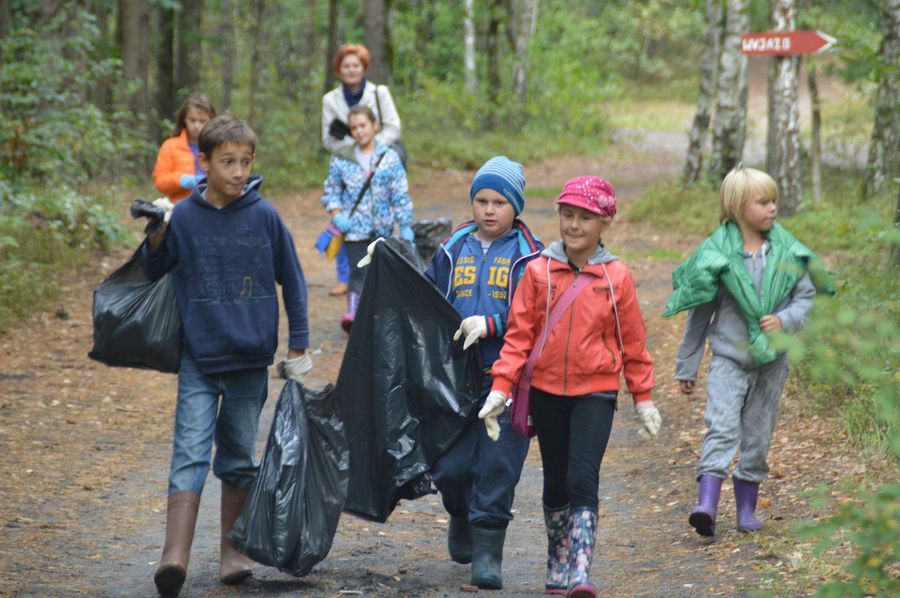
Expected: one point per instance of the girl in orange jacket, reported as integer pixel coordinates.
(575, 379)
(177, 169)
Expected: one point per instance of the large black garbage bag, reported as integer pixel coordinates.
(429, 235)
(136, 320)
(293, 507)
(406, 388)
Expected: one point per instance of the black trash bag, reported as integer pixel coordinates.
(136, 320)
(406, 388)
(293, 507)
(429, 236)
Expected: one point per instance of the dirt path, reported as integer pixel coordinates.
(83, 501)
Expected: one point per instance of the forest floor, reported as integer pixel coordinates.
(87, 447)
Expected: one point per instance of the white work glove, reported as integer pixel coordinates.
(168, 206)
(650, 416)
(494, 405)
(367, 259)
(474, 327)
(295, 369)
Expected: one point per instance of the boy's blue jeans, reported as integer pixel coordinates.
(477, 477)
(200, 416)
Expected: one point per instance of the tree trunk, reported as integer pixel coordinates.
(771, 108)
(787, 115)
(731, 95)
(100, 94)
(815, 144)
(469, 61)
(693, 162)
(135, 64)
(188, 57)
(227, 48)
(256, 34)
(882, 164)
(375, 13)
(165, 66)
(525, 17)
(6, 17)
(493, 60)
(330, 78)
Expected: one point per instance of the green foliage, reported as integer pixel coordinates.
(48, 132)
(694, 210)
(871, 524)
(44, 233)
(53, 142)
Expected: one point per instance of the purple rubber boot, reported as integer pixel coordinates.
(745, 495)
(352, 306)
(703, 516)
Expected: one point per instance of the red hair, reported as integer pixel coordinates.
(358, 50)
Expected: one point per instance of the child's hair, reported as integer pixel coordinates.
(740, 186)
(200, 101)
(225, 129)
(358, 50)
(361, 109)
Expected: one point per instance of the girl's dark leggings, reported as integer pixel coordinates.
(356, 250)
(572, 433)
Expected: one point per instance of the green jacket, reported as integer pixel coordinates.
(720, 259)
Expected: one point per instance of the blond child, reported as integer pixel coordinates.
(749, 279)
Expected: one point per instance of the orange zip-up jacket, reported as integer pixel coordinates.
(174, 159)
(581, 354)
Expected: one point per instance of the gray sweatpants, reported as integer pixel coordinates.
(741, 411)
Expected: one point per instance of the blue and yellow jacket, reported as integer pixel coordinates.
(479, 283)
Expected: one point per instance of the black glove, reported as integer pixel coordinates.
(338, 129)
(155, 216)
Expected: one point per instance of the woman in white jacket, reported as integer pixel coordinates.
(350, 64)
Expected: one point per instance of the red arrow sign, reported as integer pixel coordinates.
(782, 43)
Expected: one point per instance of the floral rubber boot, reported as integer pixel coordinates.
(557, 524)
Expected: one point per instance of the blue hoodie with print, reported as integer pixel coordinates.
(479, 283)
(225, 263)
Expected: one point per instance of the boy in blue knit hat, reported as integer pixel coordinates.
(477, 269)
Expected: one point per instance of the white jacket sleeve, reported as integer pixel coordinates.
(332, 109)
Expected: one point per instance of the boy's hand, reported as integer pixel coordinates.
(493, 407)
(770, 323)
(474, 327)
(296, 366)
(367, 259)
(687, 386)
(650, 416)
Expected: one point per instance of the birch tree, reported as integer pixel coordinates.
(786, 115)
(229, 54)
(882, 164)
(525, 14)
(693, 162)
(469, 48)
(731, 95)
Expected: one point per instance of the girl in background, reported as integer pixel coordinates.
(384, 204)
(177, 168)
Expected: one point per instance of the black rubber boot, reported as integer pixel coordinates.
(459, 540)
(487, 555)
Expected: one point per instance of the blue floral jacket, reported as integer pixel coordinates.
(385, 203)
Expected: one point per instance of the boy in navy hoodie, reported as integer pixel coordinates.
(226, 248)
(477, 269)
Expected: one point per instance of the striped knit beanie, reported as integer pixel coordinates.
(503, 176)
